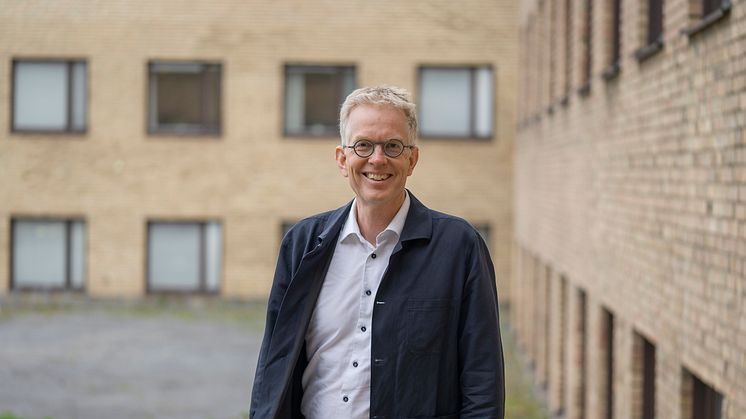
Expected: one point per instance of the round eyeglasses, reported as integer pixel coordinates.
(391, 148)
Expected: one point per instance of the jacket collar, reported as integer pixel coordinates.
(419, 224)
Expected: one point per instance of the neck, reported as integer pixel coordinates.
(372, 220)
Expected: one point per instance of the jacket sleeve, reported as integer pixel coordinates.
(482, 376)
(283, 274)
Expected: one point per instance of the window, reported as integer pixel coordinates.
(313, 97)
(560, 389)
(47, 254)
(49, 96)
(579, 363)
(456, 102)
(643, 373)
(184, 256)
(704, 13)
(586, 64)
(614, 21)
(184, 98)
(606, 404)
(652, 41)
(699, 400)
(568, 46)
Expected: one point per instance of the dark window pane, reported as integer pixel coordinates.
(313, 96)
(655, 21)
(184, 98)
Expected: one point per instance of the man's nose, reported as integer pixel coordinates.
(378, 155)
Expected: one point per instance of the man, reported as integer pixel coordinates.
(381, 308)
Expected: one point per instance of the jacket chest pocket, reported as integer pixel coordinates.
(427, 325)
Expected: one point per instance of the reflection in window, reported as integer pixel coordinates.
(184, 256)
(313, 97)
(456, 102)
(184, 98)
(49, 96)
(48, 254)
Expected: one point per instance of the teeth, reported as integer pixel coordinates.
(374, 176)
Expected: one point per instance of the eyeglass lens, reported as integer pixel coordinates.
(391, 148)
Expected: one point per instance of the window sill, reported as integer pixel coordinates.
(611, 72)
(311, 136)
(648, 51)
(183, 134)
(433, 137)
(721, 13)
(72, 133)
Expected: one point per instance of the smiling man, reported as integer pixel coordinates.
(382, 308)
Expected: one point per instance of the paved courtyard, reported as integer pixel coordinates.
(154, 359)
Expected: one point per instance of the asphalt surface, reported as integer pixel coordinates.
(99, 363)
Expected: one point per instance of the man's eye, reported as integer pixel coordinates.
(363, 145)
(393, 147)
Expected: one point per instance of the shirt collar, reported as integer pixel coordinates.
(395, 226)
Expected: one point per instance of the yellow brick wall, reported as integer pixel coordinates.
(250, 178)
(636, 193)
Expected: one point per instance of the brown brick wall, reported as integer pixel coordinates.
(251, 178)
(635, 193)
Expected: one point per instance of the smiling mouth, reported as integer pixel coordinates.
(377, 177)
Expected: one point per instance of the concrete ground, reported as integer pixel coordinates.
(143, 361)
(64, 357)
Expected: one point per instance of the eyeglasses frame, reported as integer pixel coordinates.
(382, 144)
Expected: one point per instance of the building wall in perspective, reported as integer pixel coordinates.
(140, 180)
(629, 290)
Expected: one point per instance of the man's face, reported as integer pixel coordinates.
(378, 180)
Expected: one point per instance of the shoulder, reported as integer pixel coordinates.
(453, 227)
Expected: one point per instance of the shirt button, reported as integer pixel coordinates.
(373, 255)
(354, 364)
(367, 292)
(363, 329)
(345, 399)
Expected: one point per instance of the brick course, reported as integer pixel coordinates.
(633, 192)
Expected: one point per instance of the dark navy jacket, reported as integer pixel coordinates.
(436, 350)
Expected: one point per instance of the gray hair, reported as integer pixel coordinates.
(394, 96)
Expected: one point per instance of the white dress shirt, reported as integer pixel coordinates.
(336, 383)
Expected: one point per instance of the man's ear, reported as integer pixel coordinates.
(414, 156)
(341, 160)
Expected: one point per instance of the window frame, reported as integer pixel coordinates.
(162, 130)
(69, 80)
(699, 395)
(339, 68)
(701, 19)
(651, 44)
(202, 288)
(614, 43)
(586, 55)
(68, 287)
(472, 136)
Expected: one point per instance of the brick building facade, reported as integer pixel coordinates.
(629, 287)
(150, 146)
